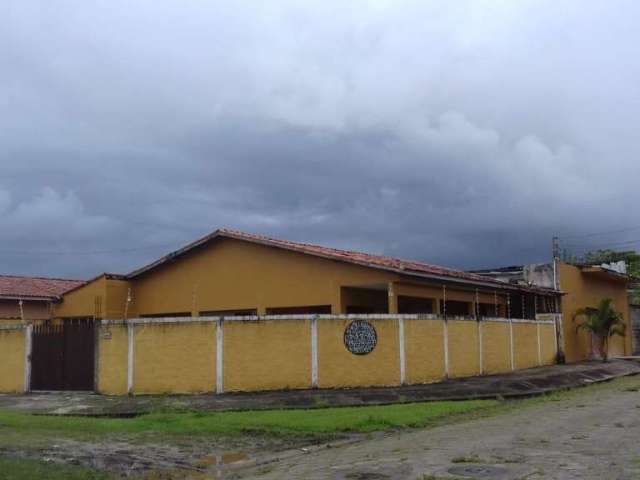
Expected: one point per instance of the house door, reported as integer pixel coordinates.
(62, 356)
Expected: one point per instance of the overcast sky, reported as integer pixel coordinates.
(461, 133)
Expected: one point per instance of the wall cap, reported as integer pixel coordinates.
(260, 318)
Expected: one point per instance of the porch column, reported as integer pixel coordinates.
(393, 298)
(336, 304)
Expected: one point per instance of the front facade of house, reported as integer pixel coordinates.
(240, 312)
(231, 273)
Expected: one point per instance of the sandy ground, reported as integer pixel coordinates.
(593, 436)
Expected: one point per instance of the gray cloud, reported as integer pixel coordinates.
(464, 134)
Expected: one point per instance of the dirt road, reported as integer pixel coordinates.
(595, 435)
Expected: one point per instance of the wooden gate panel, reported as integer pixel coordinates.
(62, 356)
(46, 357)
(78, 360)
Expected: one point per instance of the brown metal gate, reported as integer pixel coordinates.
(62, 356)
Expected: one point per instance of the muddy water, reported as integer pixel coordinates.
(195, 457)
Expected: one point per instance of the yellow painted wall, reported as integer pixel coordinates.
(81, 302)
(617, 345)
(548, 344)
(276, 354)
(525, 345)
(230, 274)
(176, 358)
(12, 345)
(103, 297)
(424, 351)
(338, 367)
(496, 347)
(464, 357)
(112, 360)
(584, 290)
(116, 299)
(267, 355)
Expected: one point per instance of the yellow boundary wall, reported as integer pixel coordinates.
(13, 347)
(233, 354)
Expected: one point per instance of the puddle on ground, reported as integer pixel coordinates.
(210, 467)
(222, 460)
(366, 476)
(479, 471)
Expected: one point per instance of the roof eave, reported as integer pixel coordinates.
(29, 298)
(230, 235)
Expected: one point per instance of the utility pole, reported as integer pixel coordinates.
(555, 253)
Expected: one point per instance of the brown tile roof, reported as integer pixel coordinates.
(35, 287)
(407, 267)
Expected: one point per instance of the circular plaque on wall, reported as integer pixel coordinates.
(360, 337)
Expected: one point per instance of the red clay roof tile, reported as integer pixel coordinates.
(35, 287)
(409, 267)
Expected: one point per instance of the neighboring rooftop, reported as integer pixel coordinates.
(35, 288)
(407, 267)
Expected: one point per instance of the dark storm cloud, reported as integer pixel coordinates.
(464, 134)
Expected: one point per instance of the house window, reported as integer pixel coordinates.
(304, 310)
(489, 310)
(456, 308)
(414, 304)
(230, 313)
(166, 315)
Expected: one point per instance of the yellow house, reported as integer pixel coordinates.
(241, 312)
(234, 273)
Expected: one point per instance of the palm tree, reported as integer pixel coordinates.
(603, 322)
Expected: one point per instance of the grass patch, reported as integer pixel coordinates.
(23, 469)
(276, 422)
(16, 428)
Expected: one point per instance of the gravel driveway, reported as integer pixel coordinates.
(594, 435)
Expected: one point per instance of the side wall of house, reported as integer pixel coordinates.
(586, 291)
(85, 301)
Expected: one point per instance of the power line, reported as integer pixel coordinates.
(608, 232)
(586, 247)
(91, 252)
(601, 244)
